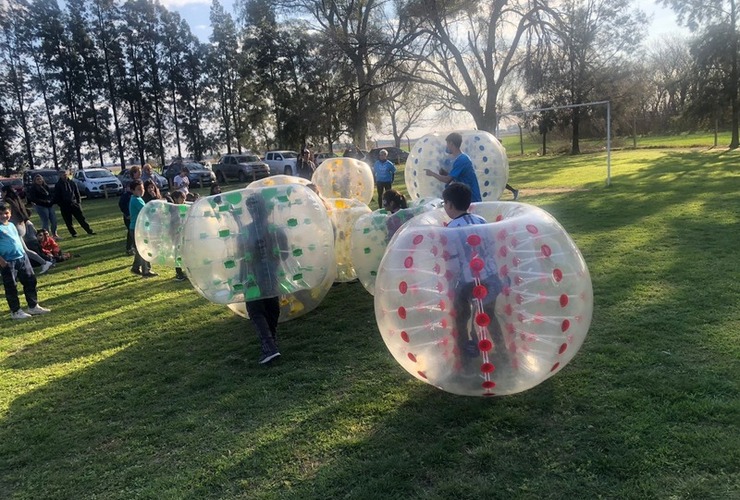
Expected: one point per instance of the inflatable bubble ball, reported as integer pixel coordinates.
(296, 304)
(256, 243)
(484, 310)
(486, 152)
(345, 178)
(370, 237)
(278, 180)
(158, 232)
(344, 212)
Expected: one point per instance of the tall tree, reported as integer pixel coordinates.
(716, 21)
(370, 37)
(223, 66)
(105, 28)
(17, 71)
(471, 48)
(593, 40)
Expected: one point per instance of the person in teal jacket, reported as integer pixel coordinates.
(135, 205)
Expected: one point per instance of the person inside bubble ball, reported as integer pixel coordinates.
(462, 168)
(263, 247)
(393, 201)
(477, 277)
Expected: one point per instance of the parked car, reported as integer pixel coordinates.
(244, 167)
(281, 162)
(198, 174)
(396, 155)
(94, 182)
(159, 180)
(17, 184)
(50, 175)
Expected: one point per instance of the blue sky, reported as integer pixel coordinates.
(196, 13)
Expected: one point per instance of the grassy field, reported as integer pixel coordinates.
(531, 144)
(137, 388)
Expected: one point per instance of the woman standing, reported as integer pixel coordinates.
(42, 197)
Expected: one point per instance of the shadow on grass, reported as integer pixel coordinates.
(647, 409)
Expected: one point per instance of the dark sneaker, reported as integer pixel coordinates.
(149, 274)
(135, 271)
(180, 277)
(91, 232)
(269, 357)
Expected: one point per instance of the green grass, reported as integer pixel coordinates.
(143, 389)
(531, 144)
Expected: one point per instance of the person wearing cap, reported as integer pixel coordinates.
(304, 166)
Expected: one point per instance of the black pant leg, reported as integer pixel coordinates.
(66, 212)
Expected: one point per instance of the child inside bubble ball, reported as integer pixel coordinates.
(477, 277)
(263, 247)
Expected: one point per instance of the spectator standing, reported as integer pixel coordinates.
(136, 203)
(43, 199)
(462, 168)
(14, 267)
(182, 181)
(304, 166)
(123, 204)
(151, 191)
(384, 171)
(67, 196)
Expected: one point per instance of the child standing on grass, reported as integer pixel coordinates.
(178, 198)
(14, 267)
(140, 266)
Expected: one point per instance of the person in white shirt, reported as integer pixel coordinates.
(182, 181)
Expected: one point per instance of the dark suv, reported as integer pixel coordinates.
(198, 174)
(396, 155)
(50, 175)
(243, 167)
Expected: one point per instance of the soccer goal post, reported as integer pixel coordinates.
(585, 104)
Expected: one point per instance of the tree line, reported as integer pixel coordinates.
(102, 81)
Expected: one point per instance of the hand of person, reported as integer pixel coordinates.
(3, 263)
(428, 172)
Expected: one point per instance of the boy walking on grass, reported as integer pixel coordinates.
(15, 266)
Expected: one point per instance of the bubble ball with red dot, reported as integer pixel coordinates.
(345, 178)
(484, 310)
(485, 151)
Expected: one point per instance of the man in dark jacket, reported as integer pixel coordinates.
(67, 196)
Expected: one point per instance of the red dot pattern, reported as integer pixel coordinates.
(520, 257)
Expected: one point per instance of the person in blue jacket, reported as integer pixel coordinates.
(384, 170)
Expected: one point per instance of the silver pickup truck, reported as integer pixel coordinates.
(281, 162)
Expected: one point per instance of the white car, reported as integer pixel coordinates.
(94, 182)
(281, 162)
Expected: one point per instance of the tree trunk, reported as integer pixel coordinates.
(47, 106)
(575, 148)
